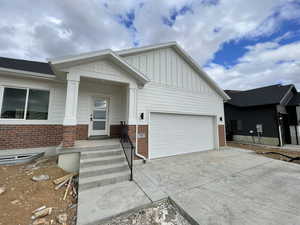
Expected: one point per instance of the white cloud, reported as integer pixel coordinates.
(54, 28)
(264, 64)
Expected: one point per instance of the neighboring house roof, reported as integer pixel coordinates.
(69, 61)
(269, 95)
(295, 100)
(25, 65)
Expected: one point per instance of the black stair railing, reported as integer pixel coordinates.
(127, 146)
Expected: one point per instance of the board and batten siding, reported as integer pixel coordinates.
(167, 68)
(175, 86)
(104, 70)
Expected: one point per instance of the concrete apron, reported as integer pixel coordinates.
(229, 187)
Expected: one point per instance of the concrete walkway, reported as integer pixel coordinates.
(231, 186)
(102, 203)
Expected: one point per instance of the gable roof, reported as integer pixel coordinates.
(68, 61)
(295, 101)
(268, 95)
(25, 66)
(185, 56)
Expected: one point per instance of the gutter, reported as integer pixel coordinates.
(136, 129)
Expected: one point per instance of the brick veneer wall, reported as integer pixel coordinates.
(221, 135)
(69, 136)
(82, 132)
(30, 136)
(142, 142)
(115, 131)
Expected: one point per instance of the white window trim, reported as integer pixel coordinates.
(26, 101)
(1, 97)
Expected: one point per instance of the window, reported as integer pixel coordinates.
(29, 104)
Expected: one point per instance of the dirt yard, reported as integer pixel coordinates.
(266, 151)
(22, 195)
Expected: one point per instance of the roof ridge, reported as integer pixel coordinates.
(18, 59)
(259, 88)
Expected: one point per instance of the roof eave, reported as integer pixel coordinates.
(60, 63)
(29, 74)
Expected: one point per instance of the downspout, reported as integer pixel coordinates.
(136, 129)
(280, 136)
(279, 129)
(296, 133)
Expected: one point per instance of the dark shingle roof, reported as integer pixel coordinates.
(260, 96)
(25, 65)
(295, 100)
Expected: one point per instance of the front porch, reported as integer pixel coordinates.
(94, 108)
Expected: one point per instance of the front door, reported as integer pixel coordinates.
(99, 117)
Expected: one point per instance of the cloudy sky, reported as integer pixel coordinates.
(241, 44)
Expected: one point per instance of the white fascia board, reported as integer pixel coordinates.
(108, 53)
(146, 48)
(139, 75)
(6, 71)
(286, 94)
(64, 59)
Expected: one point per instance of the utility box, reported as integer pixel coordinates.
(259, 128)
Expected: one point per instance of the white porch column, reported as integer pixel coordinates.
(71, 100)
(132, 104)
(70, 120)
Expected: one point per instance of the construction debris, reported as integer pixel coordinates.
(70, 181)
(42, 177)
(159, 213)
(39, 209)
(38, 203)
(72, 206)
(40, 221)
(62, 179)
(15, 202)
(2, 190)
(62, 218)
(61, 185)
(42, 213)
(68, 187)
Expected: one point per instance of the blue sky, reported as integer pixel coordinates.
(232, 50)
(241, 44)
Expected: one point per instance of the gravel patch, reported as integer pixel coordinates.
(159, 213)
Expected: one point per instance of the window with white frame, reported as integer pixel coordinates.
(24, 103)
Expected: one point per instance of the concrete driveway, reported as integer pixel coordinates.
(231, 186)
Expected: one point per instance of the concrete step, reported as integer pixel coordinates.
(100, 153)
(101, 161)
(99, 137)
(102, 180)
(103, 169)
(89, 148)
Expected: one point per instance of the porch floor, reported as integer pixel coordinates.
(96, 143)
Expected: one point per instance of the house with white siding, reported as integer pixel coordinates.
(170, 105)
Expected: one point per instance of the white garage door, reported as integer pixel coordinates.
(172, 134)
